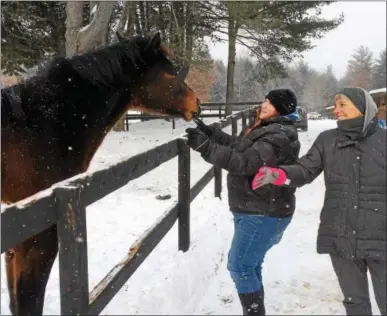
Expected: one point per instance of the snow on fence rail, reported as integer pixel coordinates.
(65, 204)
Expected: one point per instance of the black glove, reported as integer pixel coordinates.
(215, 133)
(206, 129)
(197, 140)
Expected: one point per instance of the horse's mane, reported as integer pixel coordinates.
(104, 66)
(101, 69)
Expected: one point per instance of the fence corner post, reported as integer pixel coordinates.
(234, 126)
(244, 123)
(218, 175)
(184, 195)
(72, 238)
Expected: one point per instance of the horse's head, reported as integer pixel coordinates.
(158, 87)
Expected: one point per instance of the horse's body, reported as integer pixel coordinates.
(52, 125)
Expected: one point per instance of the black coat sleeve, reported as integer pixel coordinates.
(246, 163)
(308, 167)
(222, 138)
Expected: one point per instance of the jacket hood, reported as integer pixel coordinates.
(370, 110)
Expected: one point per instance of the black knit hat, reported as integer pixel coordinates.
(284, 100)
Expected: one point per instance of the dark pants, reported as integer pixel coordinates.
(253, 237)
(352, 277)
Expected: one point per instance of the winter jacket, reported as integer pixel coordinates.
(353, 217)
(274, 141)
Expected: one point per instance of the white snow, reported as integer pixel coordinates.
(297, 280)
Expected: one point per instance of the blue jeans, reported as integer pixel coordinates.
(254, 235)
(382, 123)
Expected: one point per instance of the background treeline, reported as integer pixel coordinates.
(314, 88)
(275, 34)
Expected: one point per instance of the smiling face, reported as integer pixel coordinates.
(267, 110)
(161, 89)
(344, 109)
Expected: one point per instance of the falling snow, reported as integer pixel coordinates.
(297, 280)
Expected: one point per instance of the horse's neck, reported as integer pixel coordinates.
(93, 121)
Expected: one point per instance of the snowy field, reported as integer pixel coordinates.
(297, 280)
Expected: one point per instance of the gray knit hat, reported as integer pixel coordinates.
(363, 101)
(357, 96)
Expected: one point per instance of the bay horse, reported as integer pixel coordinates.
(53, 123)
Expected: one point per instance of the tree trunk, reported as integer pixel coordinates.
(137, 21)
(147, 17)
(124, 18)
(131, 18)
(58, 26)
(177, 28)
(190, 13)
(80, 40)
(142, 17)
(127, 19)
(74, 11)
(188, 49)
(232, 34)
(162, 22)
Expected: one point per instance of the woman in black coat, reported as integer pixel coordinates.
(261, 217)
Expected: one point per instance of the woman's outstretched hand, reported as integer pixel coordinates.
(269, 175)
(197, 140)
(206, 129)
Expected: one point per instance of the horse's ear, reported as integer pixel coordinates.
(120, 37)
(155, 42)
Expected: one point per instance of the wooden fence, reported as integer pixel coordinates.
(64, 204)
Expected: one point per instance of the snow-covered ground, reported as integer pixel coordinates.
(297, 280)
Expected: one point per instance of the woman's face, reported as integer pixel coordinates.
(267, 110)
(345, 109)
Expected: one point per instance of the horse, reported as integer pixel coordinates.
(53, 123)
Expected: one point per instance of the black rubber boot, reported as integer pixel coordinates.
(253, 303)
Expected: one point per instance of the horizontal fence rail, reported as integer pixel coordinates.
(65, 203)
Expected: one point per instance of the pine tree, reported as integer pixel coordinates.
(360, 69)
(30, 32)
(379, 76)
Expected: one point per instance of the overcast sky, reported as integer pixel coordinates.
(364, 24)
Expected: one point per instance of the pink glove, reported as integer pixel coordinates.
(269, 175)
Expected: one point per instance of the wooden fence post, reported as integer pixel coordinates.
(234, 126)
(73, 266)
(218, 175)
(243, 120)
(251, 117)
(184, 195)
